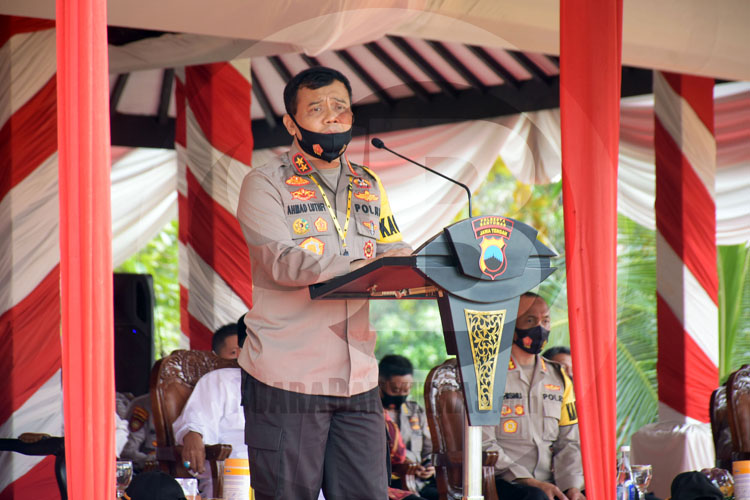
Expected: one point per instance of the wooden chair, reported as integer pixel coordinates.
(172, 381)
(738, 405)
(444, 405)
(722, 434)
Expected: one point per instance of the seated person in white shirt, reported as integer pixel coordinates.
(212, 415)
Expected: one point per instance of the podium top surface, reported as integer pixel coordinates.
(384, 278)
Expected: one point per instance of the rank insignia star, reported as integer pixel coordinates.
(303, 194)
(296, 180)
(300, 226)
(366, 196)
(300, 164)
(321, 225)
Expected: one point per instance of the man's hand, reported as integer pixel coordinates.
(194, 451)
(574, 494)
(549, 489)
(396, 252)
(425, 472)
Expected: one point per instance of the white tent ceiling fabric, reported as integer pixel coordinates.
(144, 181)
(691, 36)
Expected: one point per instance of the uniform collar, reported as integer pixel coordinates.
(303, 166)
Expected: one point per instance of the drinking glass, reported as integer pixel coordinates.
(123, 474)
(641, 478)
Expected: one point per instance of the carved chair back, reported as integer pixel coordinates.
(738, 404)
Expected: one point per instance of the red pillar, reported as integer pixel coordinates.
(86, 247)
(590, 48)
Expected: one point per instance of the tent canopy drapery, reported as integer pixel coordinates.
(724, 36)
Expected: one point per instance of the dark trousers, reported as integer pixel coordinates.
(298, 443)
(514, 491)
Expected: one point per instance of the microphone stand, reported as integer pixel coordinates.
(381, 145)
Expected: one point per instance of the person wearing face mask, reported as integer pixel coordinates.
(537, 440)
(313, 416)
(395, 382)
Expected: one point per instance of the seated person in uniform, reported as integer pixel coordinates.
(537, 440)
(561, 354)
(395, 379)
(213, 413)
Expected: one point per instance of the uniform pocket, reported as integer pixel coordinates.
(551, 408)
(264, 454)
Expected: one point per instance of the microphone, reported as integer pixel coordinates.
(381, 145)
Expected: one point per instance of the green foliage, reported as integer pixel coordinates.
(159, 258)
(734, 308)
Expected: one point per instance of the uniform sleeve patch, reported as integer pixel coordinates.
(371, 226)
(313, 245)
(510, 426)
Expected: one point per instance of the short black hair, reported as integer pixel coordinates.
(555, 350)
(312, 78)
(220, 336)
(393, 365)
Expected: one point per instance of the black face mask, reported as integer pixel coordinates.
(538, 336)
(395, 401)
(326, 147)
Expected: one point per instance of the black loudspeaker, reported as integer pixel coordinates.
(134, 331)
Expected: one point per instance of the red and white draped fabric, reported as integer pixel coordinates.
(29, 252)
(687, 281)
(214, 144)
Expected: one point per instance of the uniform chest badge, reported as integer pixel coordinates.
(300, 226)
(366, 196)
(505, 411)
(510, 426)
(370, 225)
(369, 249)
(303, 194)
(361, 183)
(313, 245)
(296, 180)
(519, 410)
(300, 164)
(552, 387)
(321, 225)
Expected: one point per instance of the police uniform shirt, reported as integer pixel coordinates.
(322, 347)
(538, 431)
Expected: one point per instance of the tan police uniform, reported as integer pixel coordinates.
(538, 432)
(412, 422)
(313, 414)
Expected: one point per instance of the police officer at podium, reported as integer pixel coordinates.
(312, 409)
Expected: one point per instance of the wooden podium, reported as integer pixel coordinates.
(476, 269)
